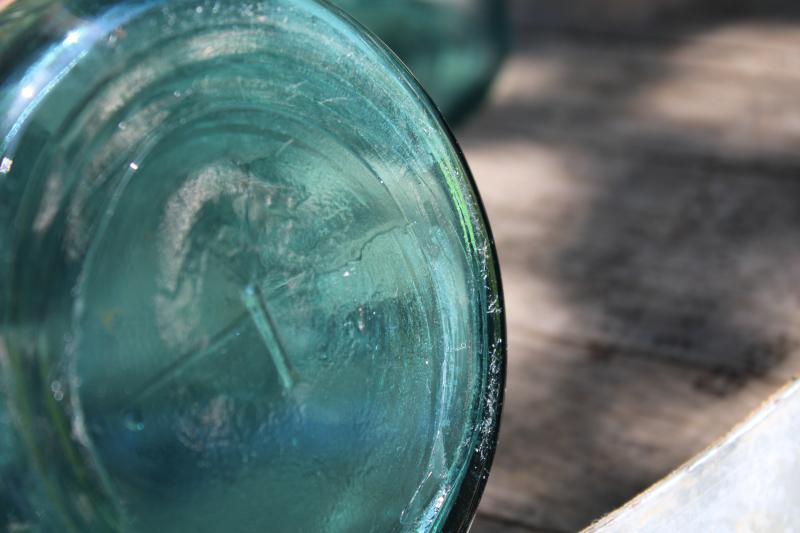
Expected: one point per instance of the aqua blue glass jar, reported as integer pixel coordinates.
(453, 47)
(245, 279)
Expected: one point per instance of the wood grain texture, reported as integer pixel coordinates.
(643, 189)
(485, 523)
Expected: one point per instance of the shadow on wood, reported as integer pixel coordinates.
(642, 187)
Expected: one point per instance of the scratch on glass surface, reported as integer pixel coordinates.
(333, 100)
(283, 147)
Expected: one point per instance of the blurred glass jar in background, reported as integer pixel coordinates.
(245, 280)
(453, 47)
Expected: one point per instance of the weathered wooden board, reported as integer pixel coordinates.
(585, 429)
(678, 263)
(487, 524)
(644, 190)
(645, 15)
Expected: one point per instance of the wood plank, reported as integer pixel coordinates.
(722, 50)
(680, 263)
(655, 17)
(612, 96)
(586, 429)
(658, 245)
(643, 194)
(492, 524)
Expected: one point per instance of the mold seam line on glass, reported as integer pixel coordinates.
(194, 354)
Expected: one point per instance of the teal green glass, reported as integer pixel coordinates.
(245, 280)
(453, 47)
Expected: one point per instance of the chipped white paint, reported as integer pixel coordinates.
(749, 481)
